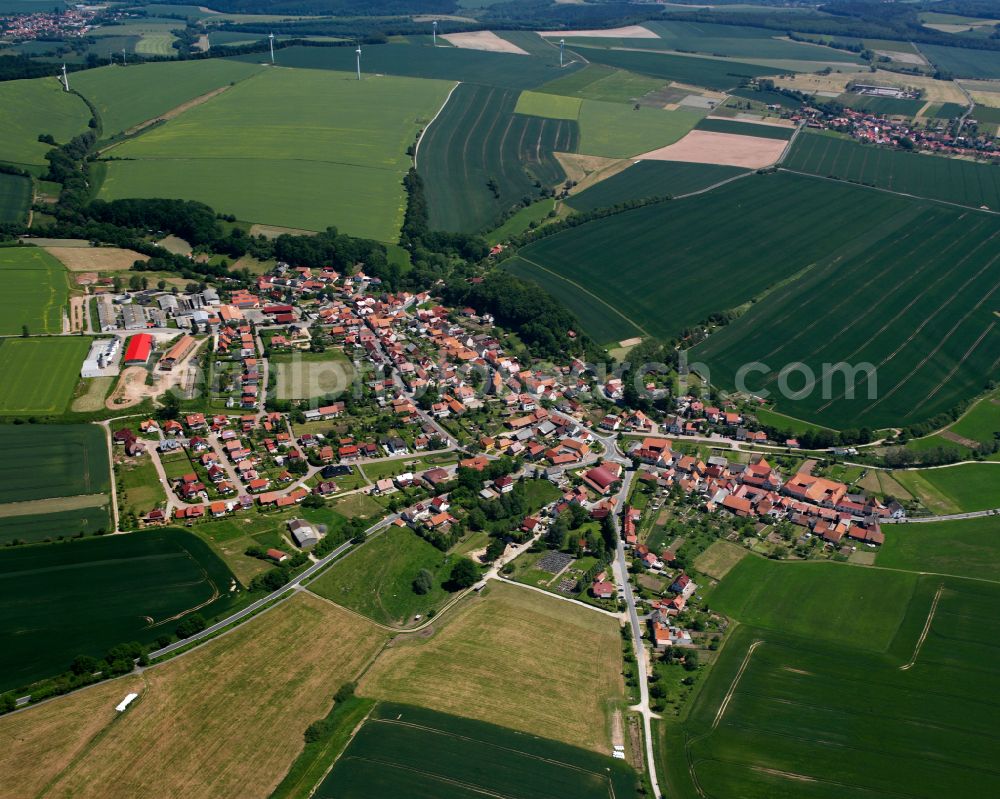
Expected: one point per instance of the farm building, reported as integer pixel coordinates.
(178, 352)
(101, 359)
(303, 533)
(138, 350)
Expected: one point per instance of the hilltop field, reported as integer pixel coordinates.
(267, 150)
(930, 349)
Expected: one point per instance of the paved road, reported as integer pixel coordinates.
(640, 648)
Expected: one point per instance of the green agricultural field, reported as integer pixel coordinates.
(731, 40)
(309, 375)
(666, 253)
(45, 461)
(35, 291)
(963, 63)
(766, 97)
(420, 60)
(43, 107)
(377, 579)
(25, 390)
(710, 73)
(307, 165)
(936, 177)
(598, 82)
(617, 130)
(961, 488)
(967, 548)
(604, 322)
(745, 129)
(62, 600)
(856, 607)
(128, 97)
(15, 198)
(753, 728)
(550, 106)
(888, 106)
(404, 750)
(34, 528)
(156, 44)
(651, 179)
(924, 340)
(478, 138)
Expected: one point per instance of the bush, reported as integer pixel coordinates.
(423, 582)
(464, 574)
(192, 625)
(345, 692)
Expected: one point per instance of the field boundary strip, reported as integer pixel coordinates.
(924, 633)
(634, 324)
(32, 507)
(427, 127)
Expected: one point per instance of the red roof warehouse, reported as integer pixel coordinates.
(139, 347)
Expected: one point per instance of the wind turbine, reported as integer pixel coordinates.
(358, 53)
(435, 32)
(65, 78)
(270, 38)
(562, 48)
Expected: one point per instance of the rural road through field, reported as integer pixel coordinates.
(276, 595)
(260, 603)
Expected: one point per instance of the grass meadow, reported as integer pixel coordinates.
(981, 422)
(26, 391)
(224, 720)
(308, 164)
(619, 130)
(377, 579)
(42, 107)
(962, 488)
(140, 92)
(932, 176)
(406, 750)
(647, 179)
(15, 198)
(305, 375)
(512, 657)
(82, 597)
(35, 291)
(872, 662)
(477, 138)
